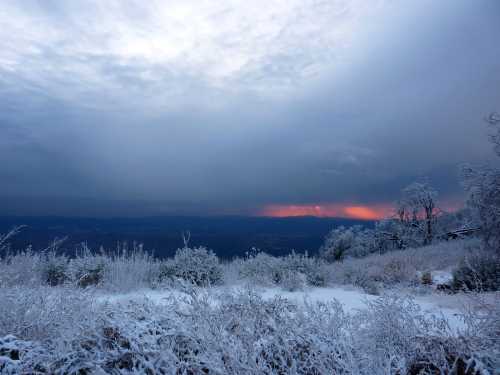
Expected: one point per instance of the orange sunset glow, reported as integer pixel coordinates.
(351, 211)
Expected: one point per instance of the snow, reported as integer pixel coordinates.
(441, 277)
(355, 299)
(431, 306)
(352, 299)
(154, 325)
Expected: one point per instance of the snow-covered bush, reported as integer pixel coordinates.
(398, 271)
(236, 333)
(41, 313)
(440, 255)
(243, 333)
(482, 329)
(479, 271)
(397, 338)
(386, 269)
(314, 269)
(198, 266)
(124, 270)
(260, 268)
(292, 281)
(400, 267)
(128, 270)
(343, 242)
(54, 269)
(87, 269)
(21, 269)
(288, 272)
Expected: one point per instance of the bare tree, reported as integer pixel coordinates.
(417, 210)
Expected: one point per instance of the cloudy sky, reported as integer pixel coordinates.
(263, 107)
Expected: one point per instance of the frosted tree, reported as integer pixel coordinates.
(417, 211)
(483, 187)
(494, 120)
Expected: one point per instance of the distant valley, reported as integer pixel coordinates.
(228, 236)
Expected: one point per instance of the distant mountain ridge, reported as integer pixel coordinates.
(228, 236)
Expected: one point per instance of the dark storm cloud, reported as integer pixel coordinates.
(88, 126)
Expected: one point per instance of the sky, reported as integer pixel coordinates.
(263, 107)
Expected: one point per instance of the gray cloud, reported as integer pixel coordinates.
(300, 102)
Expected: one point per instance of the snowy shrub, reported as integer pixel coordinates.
(363, 275)
(243, 333)
(123, 270)
(231, 271)
(337, 242)
(260, 268)
(198, 266)
(479, 271)
(54, 269)
(128, 270)
(350, 273)
(87, 269)
(482, 329)
(314, 269)
(397, 338)
(345, 242)
(237, 333)
(292, 281)
(387, 269)
(168, 271)
(294, 269)
(440, 255)
(22, 268)
(40, 313)
(318, 276)
(400, 267)
(398, 271)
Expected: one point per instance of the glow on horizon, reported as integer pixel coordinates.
(376, 211)
(350, 211)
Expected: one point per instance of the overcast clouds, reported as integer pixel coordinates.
(133, 107)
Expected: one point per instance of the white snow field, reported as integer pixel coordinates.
(449, 307)
(245, 330)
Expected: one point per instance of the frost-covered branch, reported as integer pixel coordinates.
(4, 238)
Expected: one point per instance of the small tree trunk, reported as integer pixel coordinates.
(428, 219)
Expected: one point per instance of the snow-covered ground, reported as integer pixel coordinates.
(153, 328)
(352, 299)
